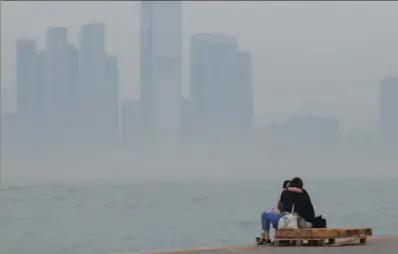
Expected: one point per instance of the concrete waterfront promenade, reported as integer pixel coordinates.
(379, 245)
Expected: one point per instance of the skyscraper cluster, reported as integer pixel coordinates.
(65, 94)
(220, 84)
(68, 95)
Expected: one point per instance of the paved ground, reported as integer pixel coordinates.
(381, 245)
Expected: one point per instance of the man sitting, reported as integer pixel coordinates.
(302, 203)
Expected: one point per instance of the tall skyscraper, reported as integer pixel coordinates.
(221, 90)
(213, 66)
(73, 92)
(112, 110)
(388, 110)
(57, 79)
(45, 88)
(98, 88)
(161, 56)
(92, 83)
(27, 77)
(31, 93)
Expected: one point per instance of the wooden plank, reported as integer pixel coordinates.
(322, 233)
(358, 239)
(320, 242)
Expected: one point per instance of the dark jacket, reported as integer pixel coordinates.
(302, 204)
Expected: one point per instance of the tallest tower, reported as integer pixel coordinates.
(161, 75)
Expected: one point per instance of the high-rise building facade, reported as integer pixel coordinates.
(67, 96)
(161, 76)
(32, 93)
(91, 81)
(96, 95)
(112, 97)
(73, 92)
(57, 80)
(389, 109)
(221, 89)
(213, 66)
(27, 77)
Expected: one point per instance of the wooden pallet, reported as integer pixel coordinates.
(322, 236)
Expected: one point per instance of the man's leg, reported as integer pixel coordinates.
(268, 218)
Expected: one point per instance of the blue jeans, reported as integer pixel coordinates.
(268, 218)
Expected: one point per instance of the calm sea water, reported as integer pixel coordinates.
(153, 216)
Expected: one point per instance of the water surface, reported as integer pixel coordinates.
(154, 216)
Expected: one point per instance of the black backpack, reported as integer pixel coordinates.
(319, 222)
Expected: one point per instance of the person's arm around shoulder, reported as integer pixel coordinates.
(294, 189)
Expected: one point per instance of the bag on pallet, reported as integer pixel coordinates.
(319, 222)
(288, 220)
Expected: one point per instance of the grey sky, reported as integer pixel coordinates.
(322, 58)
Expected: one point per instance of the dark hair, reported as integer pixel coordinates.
(285, 183)
(296, 182)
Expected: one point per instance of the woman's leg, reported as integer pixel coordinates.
(268, 218)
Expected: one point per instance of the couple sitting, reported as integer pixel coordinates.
(293, 197)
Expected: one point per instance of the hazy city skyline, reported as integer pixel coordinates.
(115, 112)
(313, 72)
(345, 57)
(68, 96)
